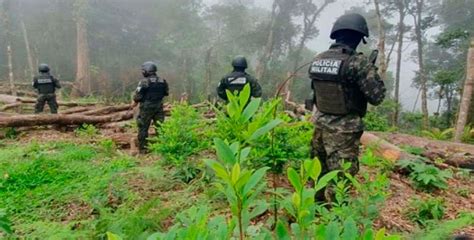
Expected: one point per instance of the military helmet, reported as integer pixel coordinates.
(43, 68)
(239, 62)
(351, 21)
(149, 67)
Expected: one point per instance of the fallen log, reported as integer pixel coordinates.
(79, 109)
(394, 153)
(455, 154)
(8, 99)
(62, 119)
(383, 148)
(107, 110)
(10, 106)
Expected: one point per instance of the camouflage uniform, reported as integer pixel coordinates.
(46, 86)
(236, 81)
(337, 137)
(150, 93)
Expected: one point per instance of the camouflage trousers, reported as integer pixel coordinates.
(46, 98)
(149, 112)
(334, 147)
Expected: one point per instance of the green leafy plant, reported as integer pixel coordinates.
(301, 205)
(180, 137)
(240, 186)
(374, 121)
(86, 130)
(348, 230)
(5, 224)
(241, 121)
(422, 211)
(424, 176)
(468, 135)
(196, 223)
(437, 134)
(11, 133)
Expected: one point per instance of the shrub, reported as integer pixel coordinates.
(374, 121)
(423, 211)
(180, 136)
(86, 130)
(424, 176)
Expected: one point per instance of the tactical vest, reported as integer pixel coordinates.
(156, 90)
(335, 91)
(237, 82)
(45, 84)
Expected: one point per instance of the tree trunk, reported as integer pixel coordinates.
(454, 154)
(466, 98)
(208, 72)
(83, 80)
(401, 31)
(268, 50)
(381, 44)
(60, 119)
(10, 70)
(28, 49)
(423, 80)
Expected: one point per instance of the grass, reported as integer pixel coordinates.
(61, 190)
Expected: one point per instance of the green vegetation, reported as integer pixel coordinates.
(422, 211)
(424, 176)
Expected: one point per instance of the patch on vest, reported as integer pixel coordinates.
(156, 80)
(326, 66)
(240, 80)
(44, 80)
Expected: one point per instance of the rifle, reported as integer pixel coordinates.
(373, 56)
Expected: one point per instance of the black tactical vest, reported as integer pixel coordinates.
(156, 90)
(45, 84)
(335, 91)
(237, 81)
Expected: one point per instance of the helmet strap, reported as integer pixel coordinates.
(364, 40)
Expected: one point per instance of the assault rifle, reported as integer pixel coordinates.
(373, 56)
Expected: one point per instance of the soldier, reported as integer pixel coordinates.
(237, 79)
(46, 85)
(343, 82)
(150, 93)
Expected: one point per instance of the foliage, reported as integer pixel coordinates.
(240, 186)
(424, 176)
(180, 137)
(86, 131)
(372, 160)
(438, 134)
(241, 120)
(422, 211)
(301, 205)
(5, 224)
(373, 121)
(196, 223)
(289, 143)
(445, 230)
(468, 135)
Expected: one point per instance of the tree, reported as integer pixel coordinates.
(466, 96)
(401, 7)
(83, 84)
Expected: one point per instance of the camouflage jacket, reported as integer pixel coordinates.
(368, 82)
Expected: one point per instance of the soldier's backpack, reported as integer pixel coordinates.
(156, 90)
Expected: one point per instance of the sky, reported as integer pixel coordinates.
(408, 94)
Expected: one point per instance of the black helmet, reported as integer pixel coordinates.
(43, 68)
(149, 67)
(239, 62)
(351, 21)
